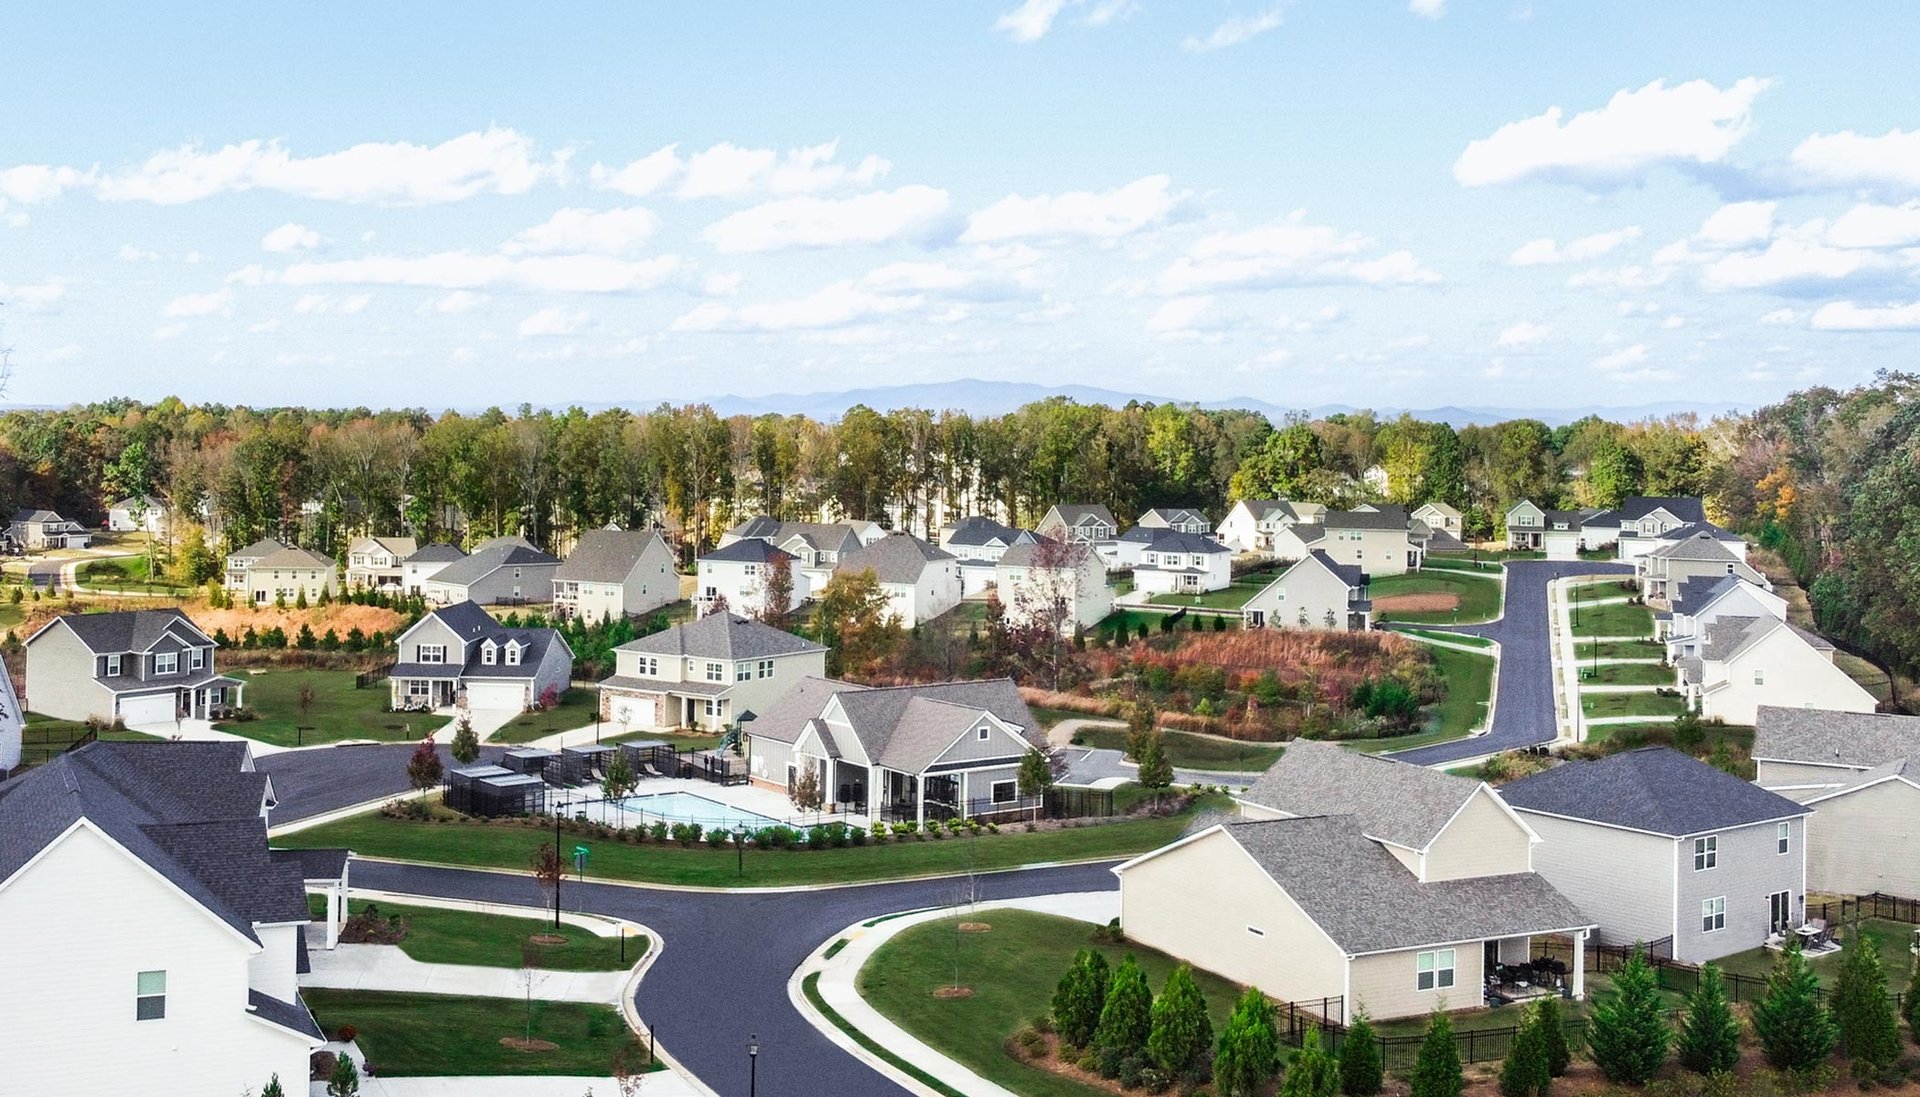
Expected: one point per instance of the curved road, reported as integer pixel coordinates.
(1523, 713)
(726, 957)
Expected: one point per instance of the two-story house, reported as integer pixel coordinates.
(816, 547)
(1180, 519)
(39, 530)
(1746, 662)
(1445, 524)
(242, 560)
(506, 571)
(1698, 602)
(613, 573)
(1252, 523)
(424, 563)
(1381, 540)
(1860, 773)
(379, 563)
(462, 655)
(286, 575)
(1182, 563)
(1363, 882)
(1645, 519)
(1705, 552)
(978, 538)
(138, 514)
(1658, 846)
(1315, 592)
(1078, 523)
(200, 993)
(735, 576)
(141, 667)
(921, 581)
(708, 673)
(1557, 533)
(1050, 581)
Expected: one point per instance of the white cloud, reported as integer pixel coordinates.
(1109, 11)
(872, 218)
(730, 171)
(468, 270)
(1179, 314)
(811, 169)
(1030, 21)
(131, 254)
(1547, 250)
(558, 320)
(36, 296)
(1235, 31)
(1622, 359)
(31, 183)
(1289, 251)
(291, 237)
(1629, 277)
(314, 304)
(493, 161)
(1790, 260)
(1738, 224)
(722, 285)
(1427, 9)
(1873, 226)
(609, 232)
(726, 171)
(1780, 317)
(1524, 334)
(217, 303)
(1673, 322)
(459, 301)
(1102, 215)
(641, 177)
(1695, 122)
(1847, 316)
(1849, 159)
(949, 282)
(839, 305)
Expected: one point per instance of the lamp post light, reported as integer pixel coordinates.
(740, 848)
(753, 1064)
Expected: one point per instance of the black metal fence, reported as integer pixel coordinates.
(1890, 908)
(1486, 1045)
(40, 745)
(368, 677)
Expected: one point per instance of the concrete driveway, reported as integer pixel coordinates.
(1523, 711)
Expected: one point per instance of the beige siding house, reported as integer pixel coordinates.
(141, 667)
(1049, 581)
(285, 575)
(615, 573)
(710, 673)
(1860, 773)
(921, 581)
(378, 563)
(1747, 662)
(1314, 593)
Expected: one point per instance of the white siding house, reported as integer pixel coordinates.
(1047, 580)
(1747, 662)
(921, 582)
(1313, 593)
(1182, 563)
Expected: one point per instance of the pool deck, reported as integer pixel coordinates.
(764, 805)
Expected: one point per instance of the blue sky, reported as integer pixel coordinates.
(1510, 203)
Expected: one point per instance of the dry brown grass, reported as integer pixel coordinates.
(338, 617)
(1416, 603)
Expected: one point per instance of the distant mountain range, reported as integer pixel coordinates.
(999, 397)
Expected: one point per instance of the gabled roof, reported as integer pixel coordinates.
(491, 557)
(1023, 555)
(127, 630)
(1074, 513)
(138, 502)
(978, 530)
(1856, 740)
(1363, 898)
(787, 717)
(1601, 519)
(32, 515)
(817, 536)
(895, 558)
(1701, 529)
(266, 546)
(906, 727)
(1654, 789)
(436, 553)
(475, 626)
(1161, 539)
(294, 559)
(1350, 574)
(606, 555)
(401, 547)
(1698, 546)
(1175, 516)
(1396, 802)
(1700, 591)
(1382, 516)
(1438, 507)
(1687, 509)
(747, 550)
(725, 636)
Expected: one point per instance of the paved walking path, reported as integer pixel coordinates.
(1098, 768)
(387, 967)
(838, 978)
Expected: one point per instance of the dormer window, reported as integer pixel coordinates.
(113, 666)
(513, 654)
(489, 653)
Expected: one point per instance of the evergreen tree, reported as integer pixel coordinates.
(1629, 1034)
(1710, 1036)
(1913, 1004)
(1249, 1052)
(345, 1081)
(1526, 1072)
(1361, 1072)
(273, 1088)
(305, 641)
(1553, 1032)
(1312, 1073)
(1869, 1032)
(466, 742)
(1127, 1016)
(1795, 1030)
(1079, 997)
(1436, 1070)
(1182, 1032)
(1156, 772)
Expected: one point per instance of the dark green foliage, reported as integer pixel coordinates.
(1869, 1033)
(1312, 1072)
(1386, 699)
(1710, 1036)
(1127, 1016)
(1629, 1034)
(273, 1088)
(465, 747)
(1078, 999)
(1182, 1033)
(1526, 1071)
(1156, 772)
(1361, 1072)
(1436, 1071)
(1553, 1032)
(1249, 1051)
(1035, 776)
(1795, 1030)
(1913, 1004)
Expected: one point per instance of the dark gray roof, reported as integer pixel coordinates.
(1396, 802)
(490, 558)
(1072, 513)
(721, 636)
(294, 558)
(1350, 574)
(748, 550)
(1687, 509)
(606, 555)
(976, 530)
(128, 630)
(789, 715)
(1700, 529)
(1382, 516)
(1701, 591)
(472, 624)
(1653, 789)
(1856, 740)
(315, 864)
(1022, 555)
(187, 810)
(1176, 515)
(1161, 539)
(1262, 508)
(895, 558)
(436, 553)
(288, 1015)
(1601, 519)
(266, 546)
(1367, 901)
(907, 727)
(1697, 546)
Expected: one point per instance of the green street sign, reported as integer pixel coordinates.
(579, 853)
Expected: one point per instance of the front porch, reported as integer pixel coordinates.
(423, 693)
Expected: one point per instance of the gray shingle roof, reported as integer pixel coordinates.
(1653, 789)
(314, 864)
(1161, 539)
(722, 636)
(1384, 516)
(1727, 635)
(1367, 901)
(1636, 507)
(1175, 515)
(471, 623)
(288, 1015)
(401, 547)
(748, 550)
(490, 558)
(1857, 740)
(1350, 574)
(907, 727)
(895, 558)
(292, 558)
(977, 530)
(1396, 802)
(129, 630)
(266, 546)
(1698, 546)
(1701, 591)
(606, 555)
(1023, 555)
(436, 554)
(787, 717)
(1072, 513)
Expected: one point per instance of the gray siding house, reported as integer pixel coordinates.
(614, 573)
(462, 655)
(503, 572)
(138, 666)
(1654, 844)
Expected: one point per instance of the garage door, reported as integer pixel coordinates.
(510, 696)
(1563, 546)
(151, 709)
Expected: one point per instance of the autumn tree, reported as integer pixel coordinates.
(855, 619)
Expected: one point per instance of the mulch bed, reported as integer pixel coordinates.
(521, 1043)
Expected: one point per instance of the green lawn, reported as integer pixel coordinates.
(1012, 969)
(1469, 679)
(1189, 751)
(1614, 619)
(684, 743)
(127, 574)
(1461, 638)
(1479, 596)
(511, 847)
(1628, 674)
(1051, 716)
(1631, 704)
(339, 711)
(1620, 649)
(426, 1035)
(575, 710)
(436, 935)
(1232, 597)
(1891, 937)
(1484, 565)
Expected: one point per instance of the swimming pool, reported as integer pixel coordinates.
(685, 807)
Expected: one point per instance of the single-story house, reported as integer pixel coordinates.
(142, 667)
(1860, 773)
(137, 514)
(709, 673)
(614, 573)
(921, 581)
(1314, 592)
(505, 571)
(462, 655)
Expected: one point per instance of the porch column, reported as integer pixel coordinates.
(920, 799)
(1580, 964)
(334, 903)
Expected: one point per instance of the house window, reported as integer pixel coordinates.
(766, 668)
(647, 665)
(1435, 969)
(150, 996)
(716, 672)
(113, 666)
(513, 655)
(1713, 914)
(981, 733)
(1783, 837)
(743, 672)
(487, 654)
(1005, 792)
(712, 707)
(199, 658)
(433, 653)
(1706, 853)
(1759, 677)
(166, 662)
(418, 687)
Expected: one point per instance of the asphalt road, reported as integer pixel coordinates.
(45, 573)
(721, 975)
(1523, 705)
(312, 782)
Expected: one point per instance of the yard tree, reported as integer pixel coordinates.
(1553, 1034)
(1796, 1032)
(1312, 1072)
(1526, 1072)
(1035, 775)
(548, 868)
(716, 604)
(1182, 1032)
(466, 742)
(1361, 1072)
(1628, 1035)
(1249, 1051)
(303, 698)
(1127, 1015)
(273, 1088)
(1079, 997)
(1436, 1069)
(854, 618)
(423, 766)
(1869, 1032)
(345, 1080)
(618, 778)
(807, 794)
(776, 594)
(1709, 1041)
(1156, 771)
(1913, 1004)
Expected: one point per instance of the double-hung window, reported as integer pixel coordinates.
(1783, 837)
(433, 653)
(199, 658)
(113, 666)
(743, 672)
(716, 672)
(1435, 970)
(1706, 852)
(766, 668)
(488, 654)
(647, 666)
(513, 655)
(166, 662)
(1713, 914)
(150, 996)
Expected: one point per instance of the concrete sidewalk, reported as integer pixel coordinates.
(387, 967)
(838, 990)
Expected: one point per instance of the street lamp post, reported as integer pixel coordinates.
(753, 1064)
(740, 848)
